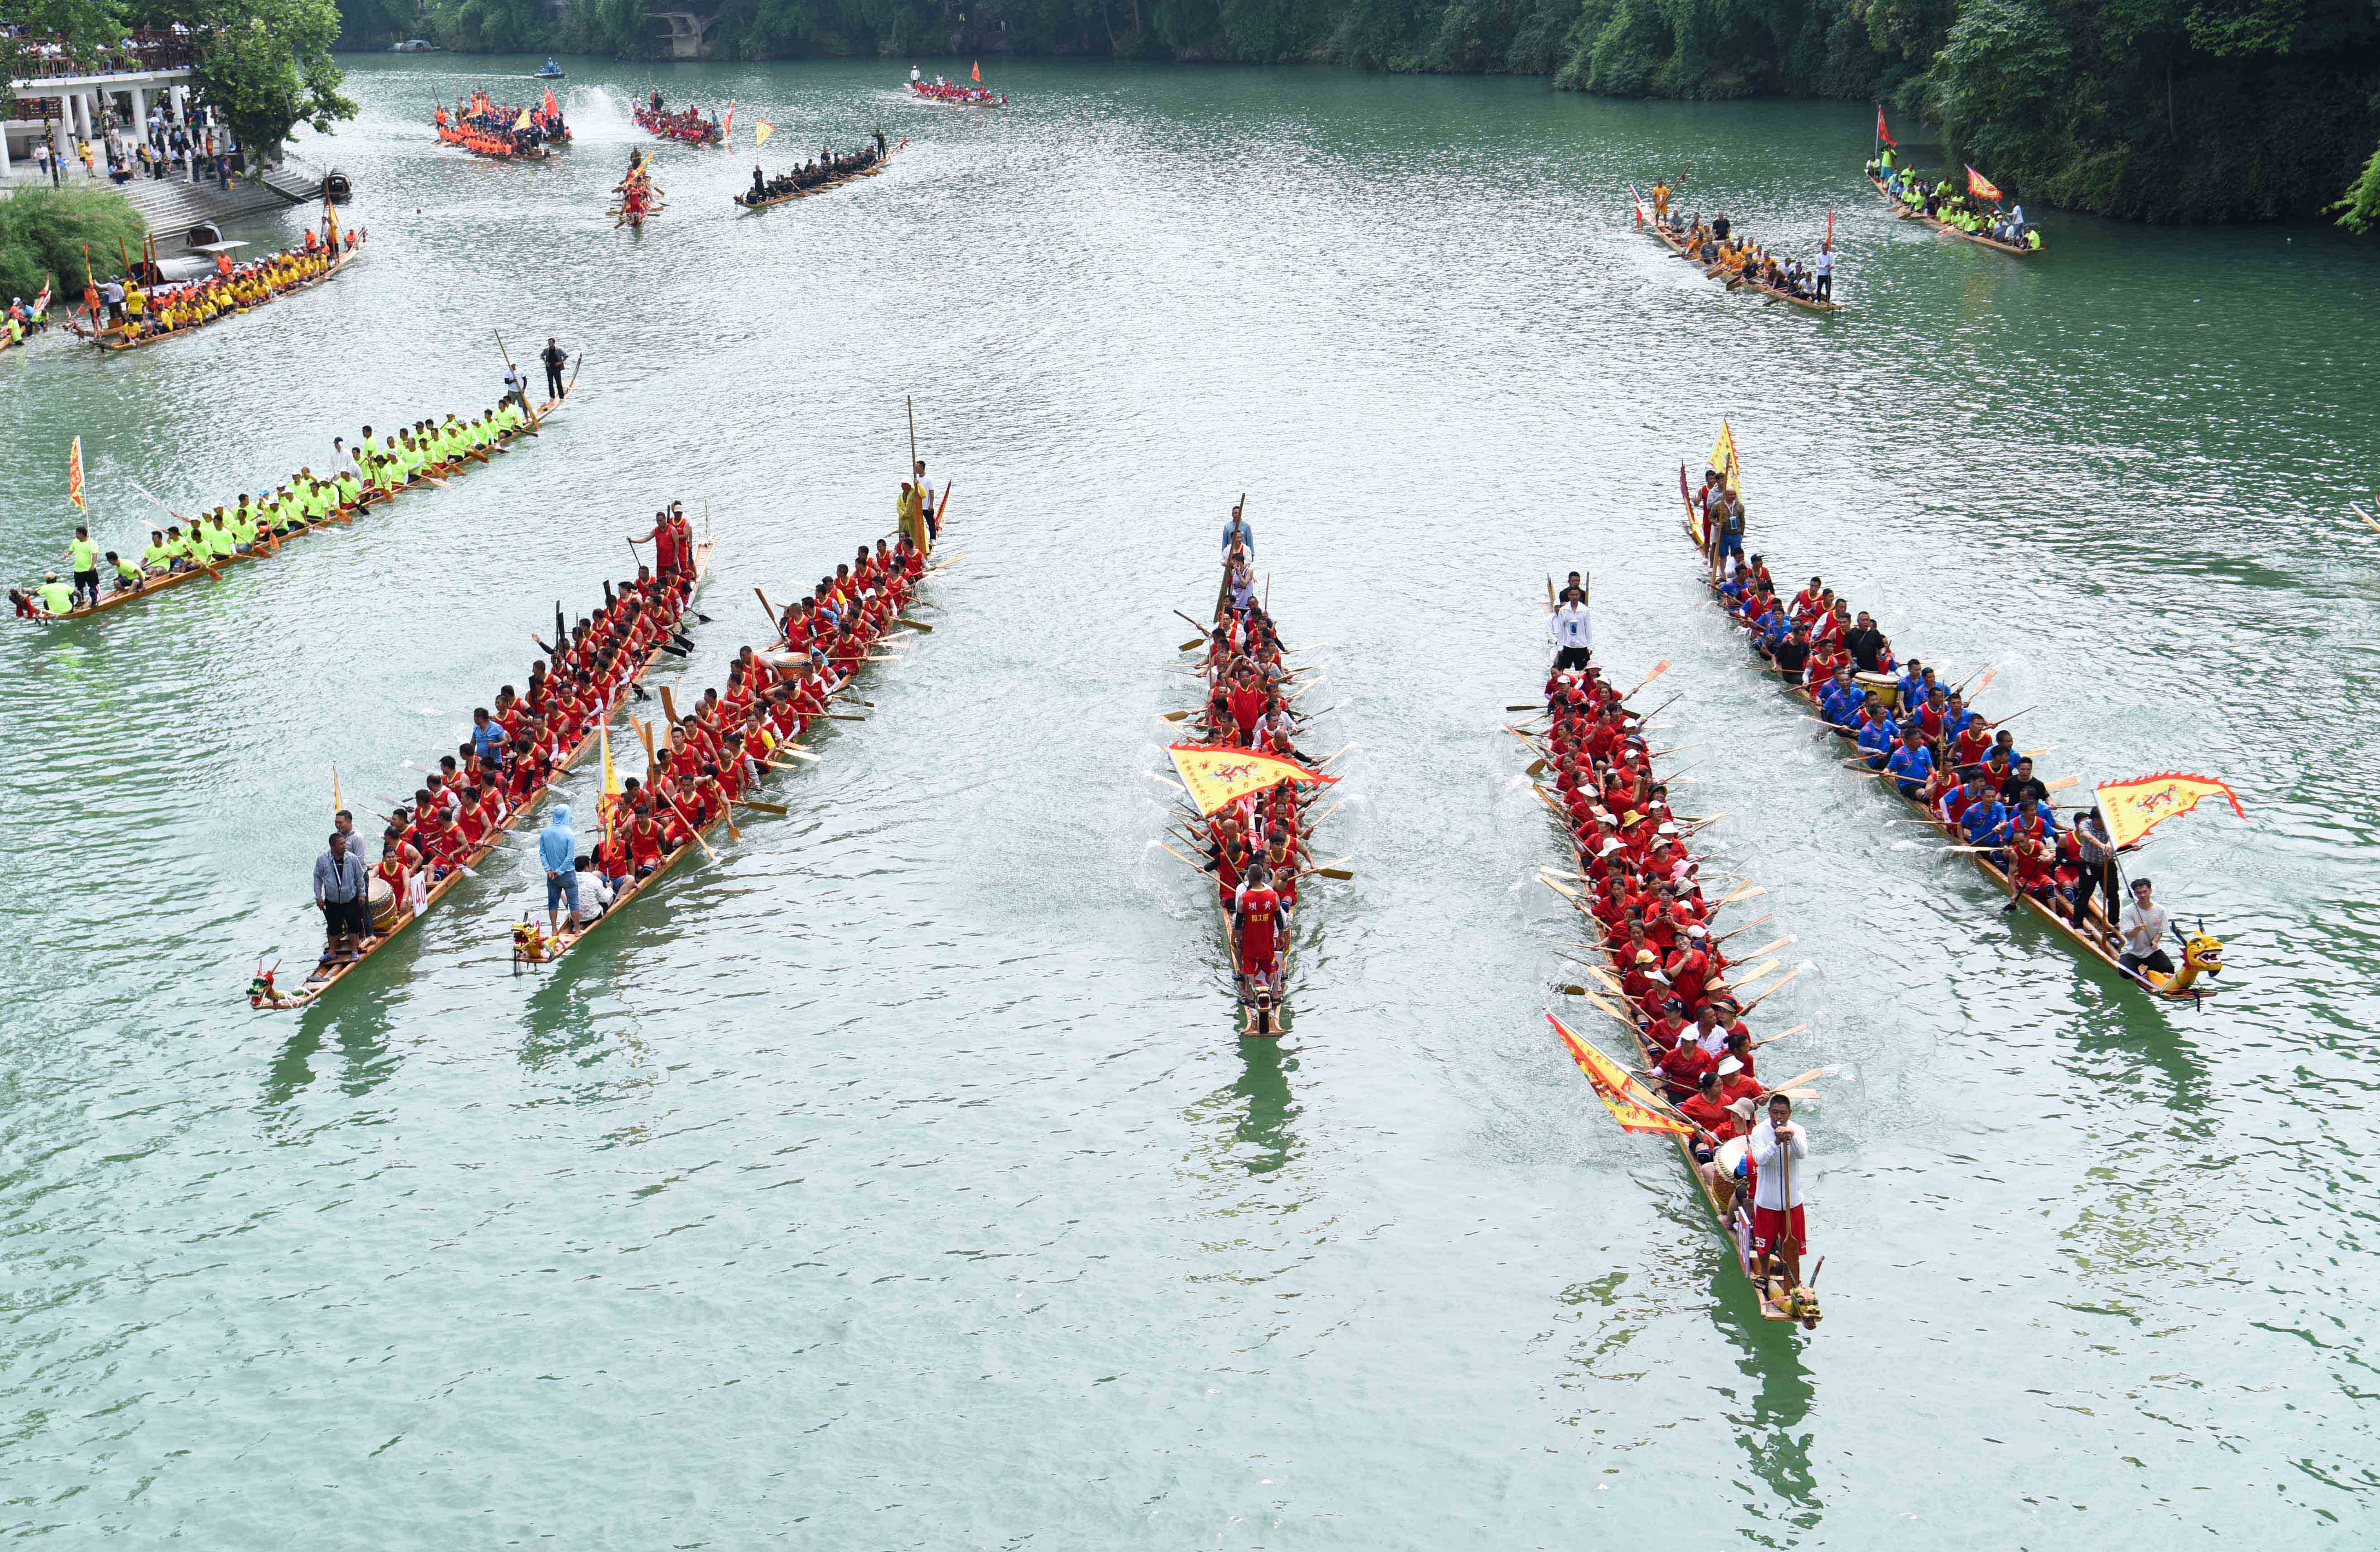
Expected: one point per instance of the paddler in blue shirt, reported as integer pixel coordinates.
(1913, 764)
(1876, 742)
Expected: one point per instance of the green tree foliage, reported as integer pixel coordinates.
(2159, 110)
(264, 64)
(44, 231)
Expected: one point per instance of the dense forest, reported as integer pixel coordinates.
(2155, 110)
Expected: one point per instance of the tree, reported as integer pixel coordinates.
(44, 231)
(265, 65)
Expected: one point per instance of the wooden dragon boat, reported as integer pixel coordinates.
(531, 945)
(957, 96)
(1979, 239)
(263, 993)
(2201, 959)
(1215, 776)
(342, 514)
(1677, 245)
(750, 203)
(1637, 1104)
(114, 340)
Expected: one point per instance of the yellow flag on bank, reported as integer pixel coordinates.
(2133, 808)
(761, 130)
(1216, 776)
(1630, 1102)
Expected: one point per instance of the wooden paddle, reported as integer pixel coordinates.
(1752, 923)
(1766, 948)
(1764, 995)
(914, 624)
(1778, 1035)
(1659, 669)
(764, 807)
(1332, 869)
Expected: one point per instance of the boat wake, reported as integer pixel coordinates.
(599, 117)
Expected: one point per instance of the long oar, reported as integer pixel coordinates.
(1659, 669)
(1752, 923)
(1764, 995)
(1778, 1035)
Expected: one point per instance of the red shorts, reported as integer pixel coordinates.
(1767, 1221)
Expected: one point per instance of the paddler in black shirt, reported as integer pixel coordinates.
(1865, 643)
(1792, 654)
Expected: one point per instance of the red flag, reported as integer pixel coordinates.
(727, 126)
(1980, 185)
(977, 72)
(1881, 133)
(1831, 224)
(551, 106)
(74, 473)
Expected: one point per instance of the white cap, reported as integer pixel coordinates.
(1730, 1067)
(1698, 930)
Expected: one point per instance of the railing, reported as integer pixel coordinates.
(46, 60)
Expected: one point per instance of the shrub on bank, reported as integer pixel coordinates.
(44, 231)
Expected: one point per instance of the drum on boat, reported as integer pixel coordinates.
(1887, 687)
(383, 904)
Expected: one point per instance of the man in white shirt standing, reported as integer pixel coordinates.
(1824, 270)
(2143, 928)
(1571, 629)
(1779, 1147)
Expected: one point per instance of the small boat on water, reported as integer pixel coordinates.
(801, 183)
(391, 913)
(1995, 839)
(774, 699)
(1902, 209)
(1247, 789)
(551, 72)
(953, 95)
(1729, 273)
(269, 545)
(687, 125)
(1658, 961)
(414, 46)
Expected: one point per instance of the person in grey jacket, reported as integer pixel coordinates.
(343, 889)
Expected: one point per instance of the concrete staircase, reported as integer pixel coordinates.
(172, 206)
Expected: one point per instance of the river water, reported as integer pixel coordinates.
(897, 1180)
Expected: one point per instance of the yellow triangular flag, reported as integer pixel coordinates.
(522, 122)
(760, 135)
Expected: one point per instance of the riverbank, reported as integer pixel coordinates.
(2269, 115)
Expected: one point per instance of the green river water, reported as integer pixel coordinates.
(897, 1180)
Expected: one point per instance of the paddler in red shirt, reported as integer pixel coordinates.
(1257, 912)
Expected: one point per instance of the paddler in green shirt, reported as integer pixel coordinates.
(127, 576)
(220, 546)
(158, 558)
(351, 490)
(57, 596)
